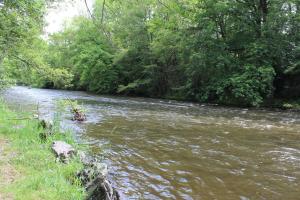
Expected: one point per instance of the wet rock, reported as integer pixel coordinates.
(94, 179)
(63, 151)
(101, 189)
(92, 171)
(78, 115)
(85, 158)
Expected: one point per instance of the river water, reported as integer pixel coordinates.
(160, 149)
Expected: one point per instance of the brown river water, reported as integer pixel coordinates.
(159, 149)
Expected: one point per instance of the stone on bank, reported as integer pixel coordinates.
(94, 175)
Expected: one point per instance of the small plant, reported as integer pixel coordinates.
(287, 106)
(78, 112)
(47, 129)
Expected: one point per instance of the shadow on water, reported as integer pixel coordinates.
(171, 150)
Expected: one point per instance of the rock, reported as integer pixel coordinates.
(90, 172)
(94, 179)
(78, 115)
(101, 189)
(85, 158)
(63, 151)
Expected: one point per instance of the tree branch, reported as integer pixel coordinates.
(88, 9)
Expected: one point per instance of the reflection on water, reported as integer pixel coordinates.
(170, 150)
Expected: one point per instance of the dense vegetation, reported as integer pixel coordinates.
(240, 52)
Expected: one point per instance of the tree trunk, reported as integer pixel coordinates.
(263, 6)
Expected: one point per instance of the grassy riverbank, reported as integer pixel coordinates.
(27, 165)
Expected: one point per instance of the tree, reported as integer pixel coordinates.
(236, 52)
(20, 23)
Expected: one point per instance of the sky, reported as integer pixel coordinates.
(65, 10)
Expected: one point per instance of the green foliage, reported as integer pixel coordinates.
(5, 81)
(249, 88)
(294, 69)
(287, 106)
(229, 52)
(70, 104)
(84, 52)
(20, 22)
(59, 78)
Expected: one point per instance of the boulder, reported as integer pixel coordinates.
(101, 189)
(63, 151)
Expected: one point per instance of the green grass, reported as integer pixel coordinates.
(39, 175)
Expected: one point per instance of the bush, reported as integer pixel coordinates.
(287, 106)
(249, 88)
(61, 78)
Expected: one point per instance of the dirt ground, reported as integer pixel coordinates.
(7, 172)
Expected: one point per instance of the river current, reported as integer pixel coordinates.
(158, 149)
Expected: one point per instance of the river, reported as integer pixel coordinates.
(158, 149)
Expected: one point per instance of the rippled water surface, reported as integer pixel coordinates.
(170, 150)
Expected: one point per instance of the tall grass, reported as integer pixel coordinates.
(39, 175)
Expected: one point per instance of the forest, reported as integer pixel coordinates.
(231, 52)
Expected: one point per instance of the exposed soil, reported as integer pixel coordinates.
(8, 173)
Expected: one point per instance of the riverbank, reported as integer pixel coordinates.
(276, 103)
(292, 105)
(28, 167)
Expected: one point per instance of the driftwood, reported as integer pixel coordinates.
(63, 151)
